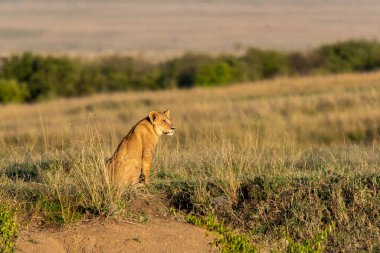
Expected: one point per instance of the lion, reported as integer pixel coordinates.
(135, 151)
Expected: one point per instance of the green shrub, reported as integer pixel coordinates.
(213, 73)
(12, 91)
(350, 56)
(20, 68)
(45, 76)
(8, 229)
(53, 77)
(114, 71)
(261, 64)
(90, 80)
(304, 63)
(181, 72)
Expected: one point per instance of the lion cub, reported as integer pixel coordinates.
(135, 151)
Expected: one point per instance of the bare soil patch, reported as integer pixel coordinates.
(158, 235)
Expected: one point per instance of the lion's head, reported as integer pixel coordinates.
(161, 122)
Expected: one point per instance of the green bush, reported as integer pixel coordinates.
(8, 229)
(181, 72)
(45, 76)
(261, 64)
(20, 68)
(90, 81)
(54, 77)
(304, 63)
(12, 91)
(213, 73)
(350, 56)
(115, 72)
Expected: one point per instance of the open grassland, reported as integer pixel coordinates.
(281, 161)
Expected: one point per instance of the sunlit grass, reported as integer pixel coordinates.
(292, 154)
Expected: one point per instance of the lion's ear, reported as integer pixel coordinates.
(153, 116)
(167, 113)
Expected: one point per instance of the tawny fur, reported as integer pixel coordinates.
(135, 152)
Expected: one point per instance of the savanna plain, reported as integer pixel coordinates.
(289, 164)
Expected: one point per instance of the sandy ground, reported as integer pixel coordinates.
(169, 26)
(156, 236)
(160, 234)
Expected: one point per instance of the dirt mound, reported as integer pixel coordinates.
(158, 235)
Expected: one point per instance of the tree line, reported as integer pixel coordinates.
(31, 77)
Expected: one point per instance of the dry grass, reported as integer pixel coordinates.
(256, 149)
(295, 107)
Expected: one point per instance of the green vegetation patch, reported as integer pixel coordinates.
(303, 207)
(29, 77)
(228, 241)
(12, 91)
(8, 229)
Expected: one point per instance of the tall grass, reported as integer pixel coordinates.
(287, 156)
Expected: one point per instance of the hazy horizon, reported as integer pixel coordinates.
(173, 25)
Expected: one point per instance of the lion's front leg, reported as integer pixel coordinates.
(146, 164)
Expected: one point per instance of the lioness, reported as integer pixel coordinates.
(135, 151)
